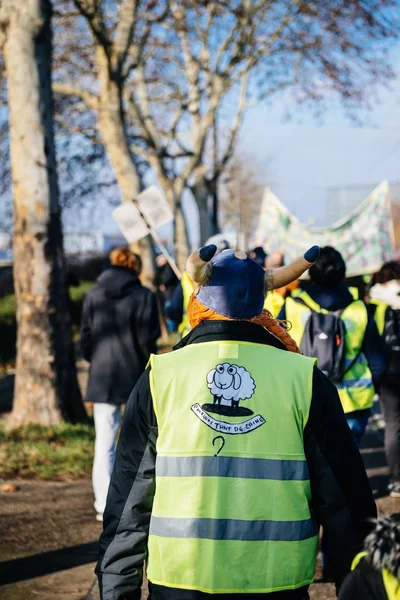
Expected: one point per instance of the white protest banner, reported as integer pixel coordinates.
(365, 237)
(155, 209)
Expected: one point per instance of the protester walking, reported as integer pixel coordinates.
(376, 571)
(234, 449)
(329, 324)
(119, 329)
(385, 303)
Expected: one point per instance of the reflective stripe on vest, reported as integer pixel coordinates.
(187, 289)
(391, 583)
(380, 314)
(356, 391)
(231, 468)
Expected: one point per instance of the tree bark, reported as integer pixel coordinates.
(201, 195)
(113, 132)
(46, 387)
(181, 241)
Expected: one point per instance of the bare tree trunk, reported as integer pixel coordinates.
(113, 133)
(181, 241)
(173, 195)
(112, 130)
(46, 388)
(201, 196)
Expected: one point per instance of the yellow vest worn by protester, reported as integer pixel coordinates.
(273, 303)
(380, 314)
(232, 507)
(356, 391)
(392, 585)
(187, 289)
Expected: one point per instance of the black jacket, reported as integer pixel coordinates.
(174, 305)
(342, 499)
(365, 583)
(119, 329)
(382, 548)
(338, 299)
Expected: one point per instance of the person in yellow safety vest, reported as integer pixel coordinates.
(385, 302)
(176, 307)
(364, 355)
(234, 449)
(275, 299)
(376, 571)
(187, 290)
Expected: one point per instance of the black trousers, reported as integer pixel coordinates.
(390, 399)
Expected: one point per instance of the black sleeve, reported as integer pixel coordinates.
(364, 583)
(86, 329)
(147, 324)
(375, 352)
(123, 543)
(174, 306)
(341, 495)
(354, 588)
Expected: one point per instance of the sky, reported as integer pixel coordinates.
(301, 159)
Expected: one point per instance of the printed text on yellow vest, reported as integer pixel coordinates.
(232, 509)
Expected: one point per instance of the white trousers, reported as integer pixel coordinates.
(106, 421)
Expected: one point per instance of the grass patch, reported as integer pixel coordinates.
(8, 323)
(61, 453)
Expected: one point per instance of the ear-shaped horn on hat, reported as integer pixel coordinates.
(198, 264)
(276, 278)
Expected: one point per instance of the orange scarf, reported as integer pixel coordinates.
(197, 312)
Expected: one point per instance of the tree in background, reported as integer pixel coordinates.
(240, 198)
(179, 73)
(46, 387)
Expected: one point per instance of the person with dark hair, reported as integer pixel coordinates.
(258, 254)
(119, 330)
(233, 451)
(376, 571)
(327, 322)
(385, 302)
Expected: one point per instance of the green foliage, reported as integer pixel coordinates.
(8, 308)
(62, 453)
(77, 294)
(8, 325)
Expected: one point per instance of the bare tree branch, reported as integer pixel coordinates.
(66, 89)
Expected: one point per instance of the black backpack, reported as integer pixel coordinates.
(324, 339)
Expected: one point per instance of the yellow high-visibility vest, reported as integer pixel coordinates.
(380, 314)
(391, 583)
(273, 303)
(232, 506)
(356, 391)
(187, 289)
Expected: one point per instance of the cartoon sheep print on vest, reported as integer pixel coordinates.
(229, 384)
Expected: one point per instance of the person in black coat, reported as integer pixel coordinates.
(119, 329)
(385, 303)
(376, 572)
(341, 496)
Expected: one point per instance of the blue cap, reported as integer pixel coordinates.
(236, 286)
